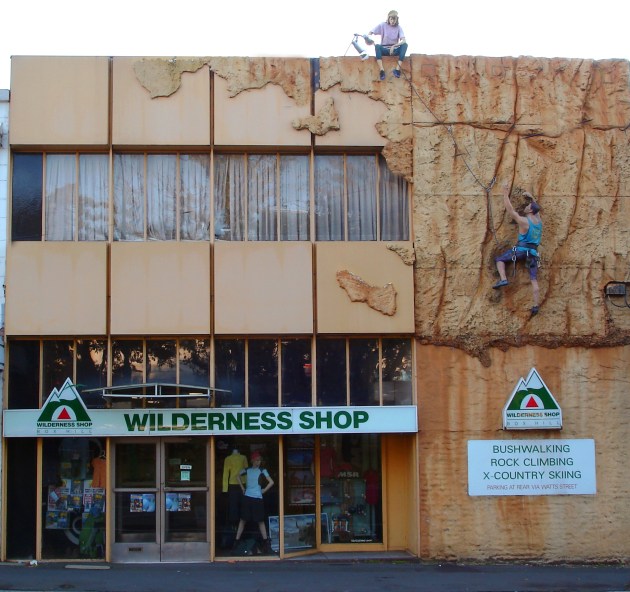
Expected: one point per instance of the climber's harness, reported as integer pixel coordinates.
(532, 257)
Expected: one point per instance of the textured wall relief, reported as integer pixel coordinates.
(407, 255)
(381, 299)
(320, 124)
(163, 76)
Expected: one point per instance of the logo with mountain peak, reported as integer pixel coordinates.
(532, 406)
(64, 412)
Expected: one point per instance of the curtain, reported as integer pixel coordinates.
(161, 196)
(294, 197)
(60, 193)
(128, 197)
(194, 172)
(229, 197)
(329, 206)
(261, 194)
(361, 173)
(93, 197)
(394, 202)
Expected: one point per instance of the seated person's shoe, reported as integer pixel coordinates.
(500, 284)
(396, 73)
(382, 75)
(534, 310)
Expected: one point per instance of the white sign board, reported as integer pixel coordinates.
(531, 467)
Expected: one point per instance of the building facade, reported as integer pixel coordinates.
(211, 259)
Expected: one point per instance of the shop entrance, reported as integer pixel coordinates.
(160, 501)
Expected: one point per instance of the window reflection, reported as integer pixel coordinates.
(263, 373)
(127, 362)
(364, 372)
(58, 364)
(229, 372)
(331, 372)
(397, 372)
(296, 373)
(91, 369)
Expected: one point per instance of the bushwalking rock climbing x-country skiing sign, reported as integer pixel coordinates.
(532, 406)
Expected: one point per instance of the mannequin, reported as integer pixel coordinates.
(234, 463)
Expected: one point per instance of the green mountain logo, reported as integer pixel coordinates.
(532, 406)
(64, 405)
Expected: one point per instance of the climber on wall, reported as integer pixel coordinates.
(392, 42)
(529, 236)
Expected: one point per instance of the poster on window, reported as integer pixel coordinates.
(178, 502)
(56, 520)
(57, 498)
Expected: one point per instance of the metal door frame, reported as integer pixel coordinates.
(159, 550)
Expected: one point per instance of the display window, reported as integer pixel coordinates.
(350, 488)
(247, 496)
(73, 498)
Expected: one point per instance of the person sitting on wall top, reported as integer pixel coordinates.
(392, 42)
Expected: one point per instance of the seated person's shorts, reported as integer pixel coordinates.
(521, 256)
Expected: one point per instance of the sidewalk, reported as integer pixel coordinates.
(322, 573)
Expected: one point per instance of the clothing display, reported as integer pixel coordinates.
(232, 466)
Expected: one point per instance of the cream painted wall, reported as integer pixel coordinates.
(180, 119)
(263, 288)
(461, 400)
(257, 117)
(59, 100)
(56, 288)
(375, 264)
(358, 116)
(160, 288)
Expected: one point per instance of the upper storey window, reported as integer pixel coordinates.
(71, 189)
(357, 198)
(161, 197)
(203, 197)
(264, 197)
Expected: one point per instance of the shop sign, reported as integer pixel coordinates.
(64, 414)
(531, 406)
(531, 467)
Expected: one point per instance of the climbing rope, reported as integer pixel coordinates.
(459, 153)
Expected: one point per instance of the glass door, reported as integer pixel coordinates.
(160, 500)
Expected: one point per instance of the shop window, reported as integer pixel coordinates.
(229, 372)
(73, 481)
(21, 498)
(364, 372)
(234, 455)
(194, 368)
(296, 373)
(91, 363)
(127, 362)
(376, 367)
(262, 373)
(331, 372)
(397, 372)
(26, 209)
(161, 361)
(350, 488)
(300, 519)
(23, 375)
(58, 364)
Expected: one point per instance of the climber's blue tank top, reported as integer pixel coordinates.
(533, 235)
